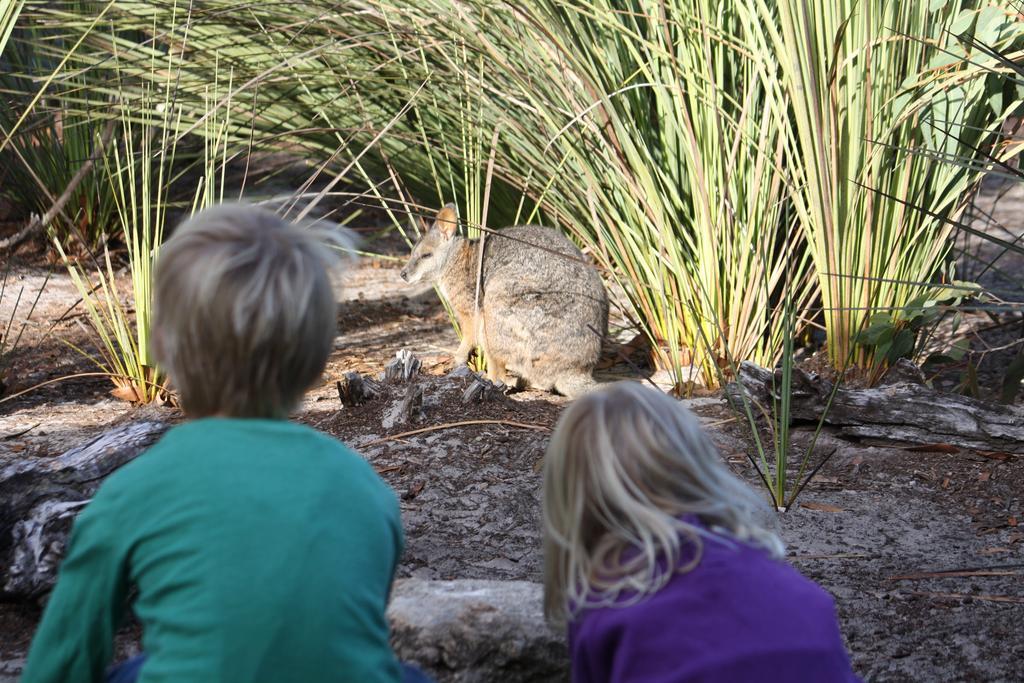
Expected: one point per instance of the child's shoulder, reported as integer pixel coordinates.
(752, 580)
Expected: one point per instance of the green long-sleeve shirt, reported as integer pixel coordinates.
(262, 551)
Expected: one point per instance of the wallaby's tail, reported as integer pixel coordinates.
(575, 385)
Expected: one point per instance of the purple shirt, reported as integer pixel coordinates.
(739, 616)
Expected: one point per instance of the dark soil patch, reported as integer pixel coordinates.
(470, 493)
(17, 625)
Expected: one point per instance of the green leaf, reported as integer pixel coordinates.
(927, 318)
(992, 22)
(902, 345)
(964, 288)
(883, 318)
(876, 334)
(882, 352)
(964, 26)
(996, 101)
(959, 349)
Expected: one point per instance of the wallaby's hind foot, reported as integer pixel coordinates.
(513, 384)
(496, 371)
(574, 386)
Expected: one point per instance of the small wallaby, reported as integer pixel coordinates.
(543, 309)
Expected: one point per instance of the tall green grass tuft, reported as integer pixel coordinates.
(707, 152)
(649, 134)
(142, 174)
(9, 12)
(710, 155)
(48, 129)
(775, 451)
(989, 248)
(879, 94)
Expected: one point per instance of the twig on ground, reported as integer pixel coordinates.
(719, 423)
(450, 425)
(837, 556)
(1017, 599)
(1003, 570)
(23, 432)
(62, 378)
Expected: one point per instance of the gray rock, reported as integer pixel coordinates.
(462, 371)
(10, 667)
(903, 371)
(475, 631)
(483, 390)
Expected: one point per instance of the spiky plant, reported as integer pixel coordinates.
(877, 93)
(704, 152)
(141, 173)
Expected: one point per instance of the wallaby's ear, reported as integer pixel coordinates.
(447, 221)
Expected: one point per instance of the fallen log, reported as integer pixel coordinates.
(39, 498)
(904, 412)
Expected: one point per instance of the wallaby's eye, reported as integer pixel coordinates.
(427, 255)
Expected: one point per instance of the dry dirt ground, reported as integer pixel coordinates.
(921, 549)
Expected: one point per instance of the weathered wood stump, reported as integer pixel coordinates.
(355, 389)
(40, 497)
(402, 368)
(410, 408)
(905, 412)
(482, 389)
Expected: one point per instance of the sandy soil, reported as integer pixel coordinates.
(874, 528)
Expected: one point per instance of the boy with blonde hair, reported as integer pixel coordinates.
(261, 549)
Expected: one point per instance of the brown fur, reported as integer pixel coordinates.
(543, 309)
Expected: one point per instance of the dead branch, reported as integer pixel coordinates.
(451, 425)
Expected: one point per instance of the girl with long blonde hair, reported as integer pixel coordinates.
(655, 556)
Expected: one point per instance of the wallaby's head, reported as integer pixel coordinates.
(433, 249)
